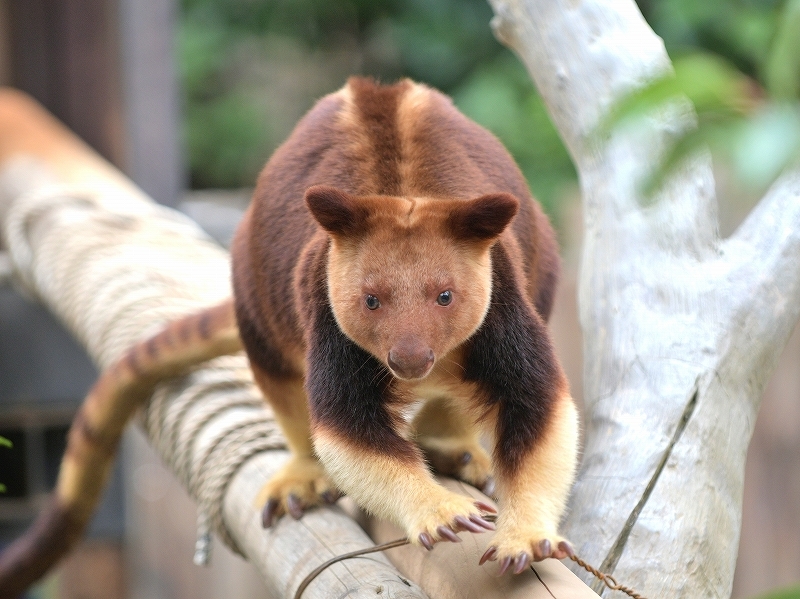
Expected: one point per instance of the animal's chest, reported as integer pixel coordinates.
(445, 382)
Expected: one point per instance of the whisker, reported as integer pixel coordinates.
(454, 362)
(362, 365)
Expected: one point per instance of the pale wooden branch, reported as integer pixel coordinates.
(681, 328)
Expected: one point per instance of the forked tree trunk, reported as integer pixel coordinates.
(681, 328)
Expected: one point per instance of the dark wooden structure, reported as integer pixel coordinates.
(106, 69)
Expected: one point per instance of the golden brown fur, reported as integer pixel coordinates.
(406, 199)
(383, 193)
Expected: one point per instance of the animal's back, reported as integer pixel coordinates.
(366, 139)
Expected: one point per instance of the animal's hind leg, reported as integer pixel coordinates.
(451, 441)
(302, 482)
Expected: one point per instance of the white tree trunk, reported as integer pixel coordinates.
(681, 328)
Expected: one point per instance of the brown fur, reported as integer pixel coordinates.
(406, 198)
(385, 191)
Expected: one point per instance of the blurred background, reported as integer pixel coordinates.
(190, 98)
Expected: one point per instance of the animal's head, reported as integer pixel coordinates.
(409, 280)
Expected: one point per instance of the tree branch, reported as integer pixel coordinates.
(681, 329)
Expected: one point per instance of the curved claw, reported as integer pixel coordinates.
(269, 512)
(426, 540)
(505, 564)
(522, 562)
(542, 550)
(488, 487)
(489, 555)
(463, 524)
(481, 522)
(294, 506)
(565, 548)
(448, 534)
(465, 458)
(330, 496)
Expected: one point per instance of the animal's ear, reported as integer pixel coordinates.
(335, 211)
(483, 218)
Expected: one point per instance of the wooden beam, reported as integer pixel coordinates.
(152, 105)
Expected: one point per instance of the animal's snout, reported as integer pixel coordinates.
(410, 359)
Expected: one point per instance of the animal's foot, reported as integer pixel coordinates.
(441, 518)
(515, 551)
(463, 459)
(302, 483)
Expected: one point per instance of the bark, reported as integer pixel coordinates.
(681, 328)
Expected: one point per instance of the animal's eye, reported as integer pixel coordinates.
(445, 297)
(373, 303)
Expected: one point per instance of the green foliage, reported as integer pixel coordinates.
(751, 121)
(739, 30)
(787, 593)
(251, 68)
(4, 443)
(782, 66)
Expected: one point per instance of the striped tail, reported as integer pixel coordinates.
(95, 433)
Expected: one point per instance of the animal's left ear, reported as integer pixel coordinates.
(335, 211)
(483, 218)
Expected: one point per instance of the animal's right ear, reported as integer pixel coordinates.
(483, 218)
(335, 211)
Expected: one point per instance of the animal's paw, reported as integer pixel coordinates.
(443, 516)
(463, 459)
(302, 483)
(515, 551)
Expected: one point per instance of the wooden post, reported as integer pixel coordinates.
(65, 54)
(150, 83)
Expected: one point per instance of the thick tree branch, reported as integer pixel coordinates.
(681, 329)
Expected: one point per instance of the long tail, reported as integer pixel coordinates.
(95, 434)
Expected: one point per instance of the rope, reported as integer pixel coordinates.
(607, 579)
(359, 552)
(112, 277)
(119, 274)
(174, 422)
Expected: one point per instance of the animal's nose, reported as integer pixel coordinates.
(410, 359)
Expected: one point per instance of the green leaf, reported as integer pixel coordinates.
(786, 593)
(783, 65)
(5, 442)
(710, 83)
(685, 146)
(2, 488)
